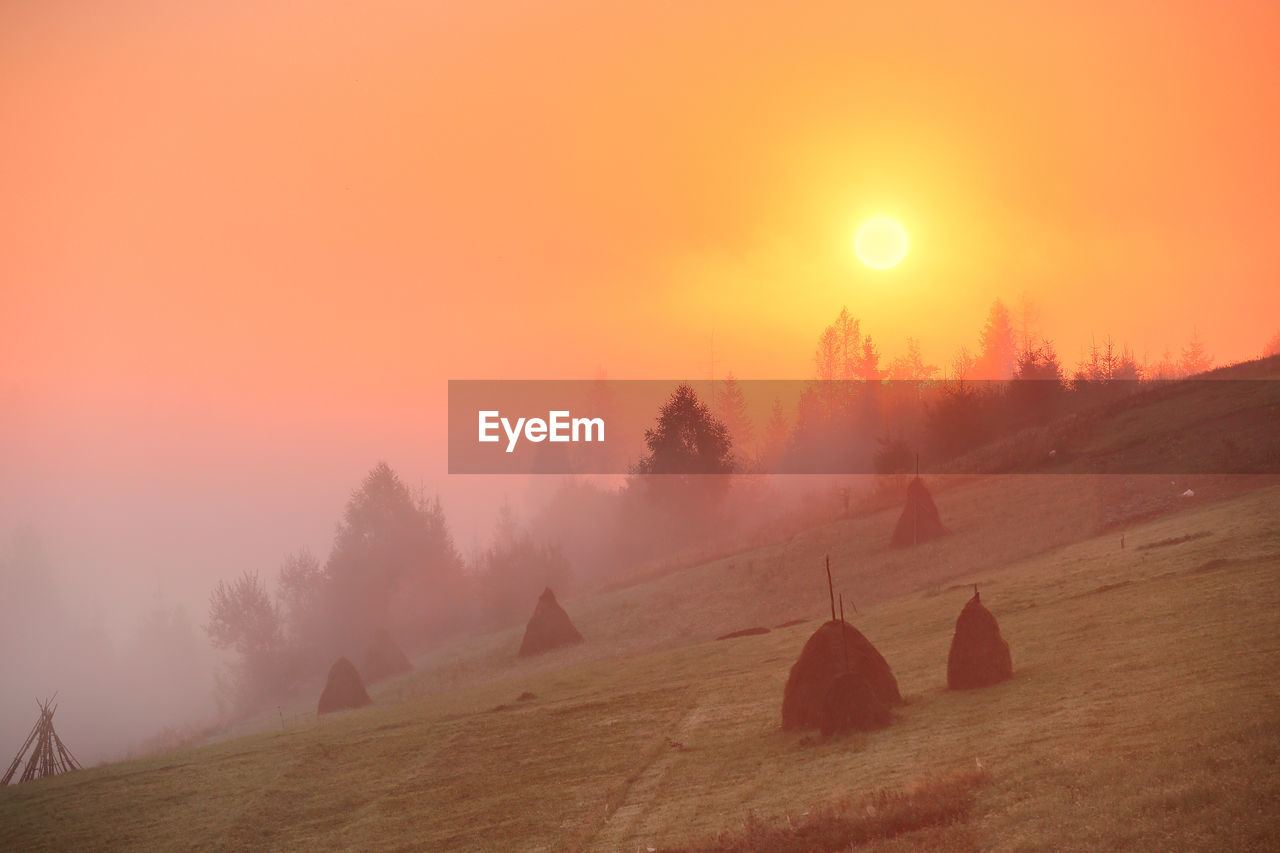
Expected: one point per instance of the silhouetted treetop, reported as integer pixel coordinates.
(844, 353)
(1039, 363)
(688, 439)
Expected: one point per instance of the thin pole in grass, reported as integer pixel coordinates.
(915, 510)
(844, 640)
(831, 591)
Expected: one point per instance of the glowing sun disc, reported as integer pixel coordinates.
(880, 243)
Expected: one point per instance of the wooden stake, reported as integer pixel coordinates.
(831, 589)
(915, 511)
(844, 641)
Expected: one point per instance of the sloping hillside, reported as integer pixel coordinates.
(1143, 710)
(1221, 422)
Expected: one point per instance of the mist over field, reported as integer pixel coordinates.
(897, 308)
(131, 645)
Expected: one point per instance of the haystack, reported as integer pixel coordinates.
(344, 689)
(384, 658)
(851, 705)
(549, 627)
(919, 521)
(979, 655)
(48, 754)
(825, 658)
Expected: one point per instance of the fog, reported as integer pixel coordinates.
(106, 591)
(115, 531)
(107, 581)
(124, 664)
(245, 260)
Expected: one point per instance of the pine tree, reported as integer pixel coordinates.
(688, 439)
(1195, 359)
(731, 408)
(997, 348)
(392, 558)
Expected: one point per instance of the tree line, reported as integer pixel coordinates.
(393, 562)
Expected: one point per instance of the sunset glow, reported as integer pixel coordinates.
(247, 248)
(880, 243)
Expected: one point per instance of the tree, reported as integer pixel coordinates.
(869, 366)
(838, 347)
(960, 418)
(515, 568)
(894, 455)
(1126, 367)
(1195, 359)
(997, 348)
(826, 359)
(596, 457)
(1106, 373)
(584, 518)
(1108, 364)
(687, 439)
(300, 584)
(844, 353)
(1028, 322)
(243, 618)
(301, 587)
(1036, 393)
(1272, 347)
(1165, 369)
(911, 366)
(393, 562)
(731, 407)
(691, 451)
(1039, 363)
(963, 364)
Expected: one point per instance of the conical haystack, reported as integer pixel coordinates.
(919, 521)
(979, 655)
(851, 705)
(384, 658)
(49, 755)
(549, 627)
(838, 652)
(344, 689)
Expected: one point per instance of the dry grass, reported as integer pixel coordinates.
(1143, 712)
(923, 815)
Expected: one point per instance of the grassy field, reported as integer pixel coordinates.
(1144, 712)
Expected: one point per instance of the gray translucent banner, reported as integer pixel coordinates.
(1205, 426)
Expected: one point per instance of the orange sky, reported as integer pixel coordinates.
(241, 252)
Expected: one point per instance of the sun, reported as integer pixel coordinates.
(880, 243)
